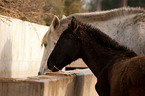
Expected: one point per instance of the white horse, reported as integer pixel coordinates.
(125, 25)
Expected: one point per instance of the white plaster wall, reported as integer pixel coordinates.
(20, 47)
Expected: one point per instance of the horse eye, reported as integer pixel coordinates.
(45, 45)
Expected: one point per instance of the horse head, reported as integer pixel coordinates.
(66, 50)
(49, 41)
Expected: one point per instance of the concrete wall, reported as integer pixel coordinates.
(73, 83)
(20, 47)
(20, 56)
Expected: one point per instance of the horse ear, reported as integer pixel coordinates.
(73, 23)
(55, 22)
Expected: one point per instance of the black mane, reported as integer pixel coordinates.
(98, 36)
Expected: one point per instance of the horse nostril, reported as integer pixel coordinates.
(51, 65)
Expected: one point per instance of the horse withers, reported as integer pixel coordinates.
(120, 71)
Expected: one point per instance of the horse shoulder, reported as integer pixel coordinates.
(136, 76)
(128, 76)
(116, 78)
(136, 71)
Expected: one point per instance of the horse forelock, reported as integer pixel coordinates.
(46, 36)
(44, 39)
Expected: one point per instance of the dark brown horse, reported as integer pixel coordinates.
(120, 72)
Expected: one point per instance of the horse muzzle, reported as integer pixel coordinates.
(51, 66)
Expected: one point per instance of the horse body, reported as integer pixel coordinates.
(120, 72)
(125, 25)
(130, 77)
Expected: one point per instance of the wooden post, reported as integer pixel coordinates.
(124, 3)
(98, 5)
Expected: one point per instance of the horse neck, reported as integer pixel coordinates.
(97, 57)
(106, 15)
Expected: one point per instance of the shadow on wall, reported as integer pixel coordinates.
(78, 85)
(6, 60)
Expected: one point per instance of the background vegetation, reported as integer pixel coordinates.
(42, 11)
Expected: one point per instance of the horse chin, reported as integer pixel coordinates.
(55, 70)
